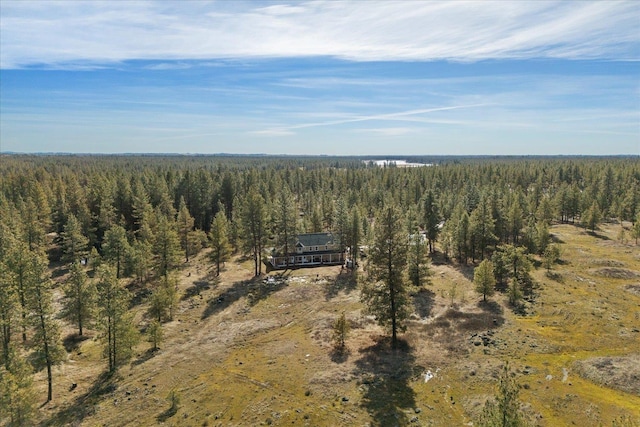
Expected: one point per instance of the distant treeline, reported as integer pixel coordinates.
(38, 193)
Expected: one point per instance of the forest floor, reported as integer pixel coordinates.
(243, 351)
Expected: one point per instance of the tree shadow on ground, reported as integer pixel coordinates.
(255, 290)
(385, 375)
(147, 355)
(555, 276)
(339, 355)
(465, 269)
(346, 281)
(85, 405)
(597, 235)
(490, 317)
(423, 301)
(165, 415)
(491, 306)
(140, 292)
(199, 286)
(72, 342)
(439, 258)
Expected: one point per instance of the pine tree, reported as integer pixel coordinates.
(164, 299)
(484, 279)
(431, 217)
(340, 332)
(635, 231)
(500, 267)
(185, 227)
(155, 334)
(514, 220)
(341, 223)
(17, 397)
(504, 409)
(481, 226)
(118, 332)
(518, 267)
(219, 240)
(46, 338)
(74, 243)
(386, 295)
(80, 298)
(140, 259)
(285, 220)
(550, 256)
(166, 247)
(33, 228)
(418, 261)
(592, 217)
(18, 263)
(8, 306)
(116, 247)
(141, 208)
(253, 219)
(354, 235)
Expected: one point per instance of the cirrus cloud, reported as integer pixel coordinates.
(72, 34)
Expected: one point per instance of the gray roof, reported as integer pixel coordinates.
(316, 239)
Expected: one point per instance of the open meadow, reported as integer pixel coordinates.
(251, 351)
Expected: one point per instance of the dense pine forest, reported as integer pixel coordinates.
(83, 239)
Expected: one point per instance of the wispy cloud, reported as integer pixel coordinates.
(402, 115)
(65, 34)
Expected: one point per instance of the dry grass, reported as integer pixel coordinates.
(622, 373)
(244, 352)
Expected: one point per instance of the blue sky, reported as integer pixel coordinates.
(336, 78)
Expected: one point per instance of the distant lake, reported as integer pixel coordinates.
(397, 163)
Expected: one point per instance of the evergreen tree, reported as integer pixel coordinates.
(504, 409)
(118, 332)
(518, 266)
(514, 220)
(461, 237)
(219, 240)
(166, 248)
(386, 294)
(8, 306)
(116, 247)
(431, 217)
(17, 397)
(635, 231)
(354, 235)
(550, 256)
(74, 243)
(481, 226)
(316, 220)
(340, 332)
(592, 217)
(164, 299)
(32, 226)
(285, 220)
(484, 279)
(185, 227)
(80, 298)
(544, 211)
(141, 209)
(252, 222)
(155, 334)
(46, 338)
(418, 261)
(18, 264)
(140, 259)
(341, 223)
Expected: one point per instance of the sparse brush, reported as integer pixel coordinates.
(340, 332)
